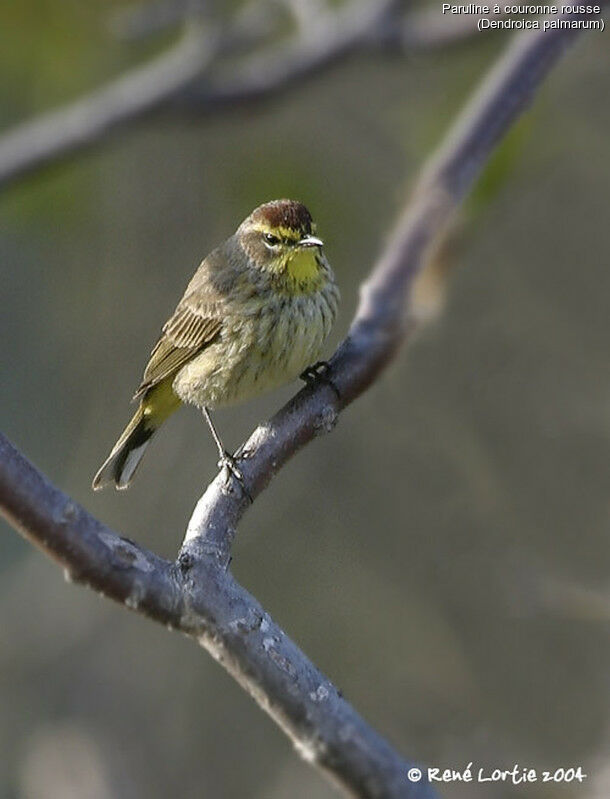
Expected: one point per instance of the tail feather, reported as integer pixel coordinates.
(156, 405)
(120, 466)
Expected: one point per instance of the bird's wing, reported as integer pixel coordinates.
(196, 323)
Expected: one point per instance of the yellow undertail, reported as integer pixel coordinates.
(120, 466)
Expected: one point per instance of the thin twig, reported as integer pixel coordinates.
(83, 123)
(182, 75)
(197, 594)
(334, 37)
(56, 134)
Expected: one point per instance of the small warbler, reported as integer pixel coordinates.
(254, 316)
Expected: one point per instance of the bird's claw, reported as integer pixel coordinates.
(319, 372)
(228, 462)
(315, 371)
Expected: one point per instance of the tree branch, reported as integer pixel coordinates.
(204, 601)
(183, 74)
(58, 134)
(329, 39)
(197, 594)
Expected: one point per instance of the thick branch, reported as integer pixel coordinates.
(197, 594)
(205, 602)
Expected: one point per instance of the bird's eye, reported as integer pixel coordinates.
(271, 239)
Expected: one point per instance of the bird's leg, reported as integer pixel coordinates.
(318, 372)
(226, 460)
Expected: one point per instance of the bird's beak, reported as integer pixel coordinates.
(310, 241)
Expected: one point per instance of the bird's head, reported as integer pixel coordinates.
(279, 237)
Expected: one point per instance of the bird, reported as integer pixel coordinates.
(254, 316)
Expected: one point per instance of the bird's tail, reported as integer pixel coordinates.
(120, 466)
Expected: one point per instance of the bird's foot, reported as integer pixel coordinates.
(319, 373)
(228, 462)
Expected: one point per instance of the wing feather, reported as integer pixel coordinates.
(184, 335)
(198, 319)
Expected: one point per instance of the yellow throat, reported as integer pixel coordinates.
(302, 266)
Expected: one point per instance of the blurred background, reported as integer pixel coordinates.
(443, 555)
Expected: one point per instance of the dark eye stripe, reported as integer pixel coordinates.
(271, 239)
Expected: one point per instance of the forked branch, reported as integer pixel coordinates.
(197, 594)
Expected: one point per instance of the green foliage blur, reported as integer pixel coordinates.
(442, 556)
